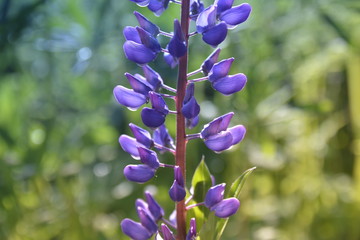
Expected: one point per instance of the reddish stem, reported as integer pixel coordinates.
(180, 156)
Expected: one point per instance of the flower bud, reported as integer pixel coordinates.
(140, 173)
(134, 230)
(147, 221)
(156, 210)
(215, 195)
(226, 207)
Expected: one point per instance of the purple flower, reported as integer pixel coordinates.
(192, 230)
(226, 207)
(215, 195)
(218, 137)
(158, 6)
(154, 117)
(214, 21)
(177, 47)
(224, 83)
(214, 200)
(196, 7)
(162, 137)
(148, 157)
(156, 210)
(233, 16)
(140, 173)
(130, 145)
(146, 24)
(129, 98)
(210, 61)
(146, 220)
(134, 230)
(141, 135)
(166, 233)
(170, 60)
(140, 46)
(177, 191)
(191, 108)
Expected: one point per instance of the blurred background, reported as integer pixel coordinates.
(60, 162)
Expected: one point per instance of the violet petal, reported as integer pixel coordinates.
(158, 6)
(152, 77)
(217, 125)
(156, 210)
(219, 142)
(223, 5)
(220, 69)
(138, 53)
(138, 84)
(167, 234)
(128, 97)
(192, 230)
(148, 40)
(215, 195)
(236, 15)
(215, 35)
(152, 118)
(146, 24)
(134, 230)
(162, 137)
(230, 84)
(210, 61)
(238, 133)
(170, 60)
(177, 47)
(191, 109)
(142, 136)
(177, 192)
(206, 19)
(226, 207)
(158, 103)
(147, 220)
(140, 173)
(148, 157)
(130, 145)
(131, 34)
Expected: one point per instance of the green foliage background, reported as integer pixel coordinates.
(60, 163)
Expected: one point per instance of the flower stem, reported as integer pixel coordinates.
(194, 72)
(194, 205)
(198, 79)
(180, 156)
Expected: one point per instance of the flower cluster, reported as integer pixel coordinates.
(149, 92)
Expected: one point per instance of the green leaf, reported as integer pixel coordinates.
(238, 184)
(200, 184)
(214, 227)
(234, 191)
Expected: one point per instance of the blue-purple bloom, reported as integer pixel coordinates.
(177, 190)
(191, 108)
(177, 47)
(224, 83)
(149, 212)
(156, 6)
(154, 117)
(214, 200)
(140, 173)
(166, 233)
(218, 137)
(192, 230)
(134, 229)
(215, 20)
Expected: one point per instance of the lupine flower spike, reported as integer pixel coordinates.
(148, 92)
